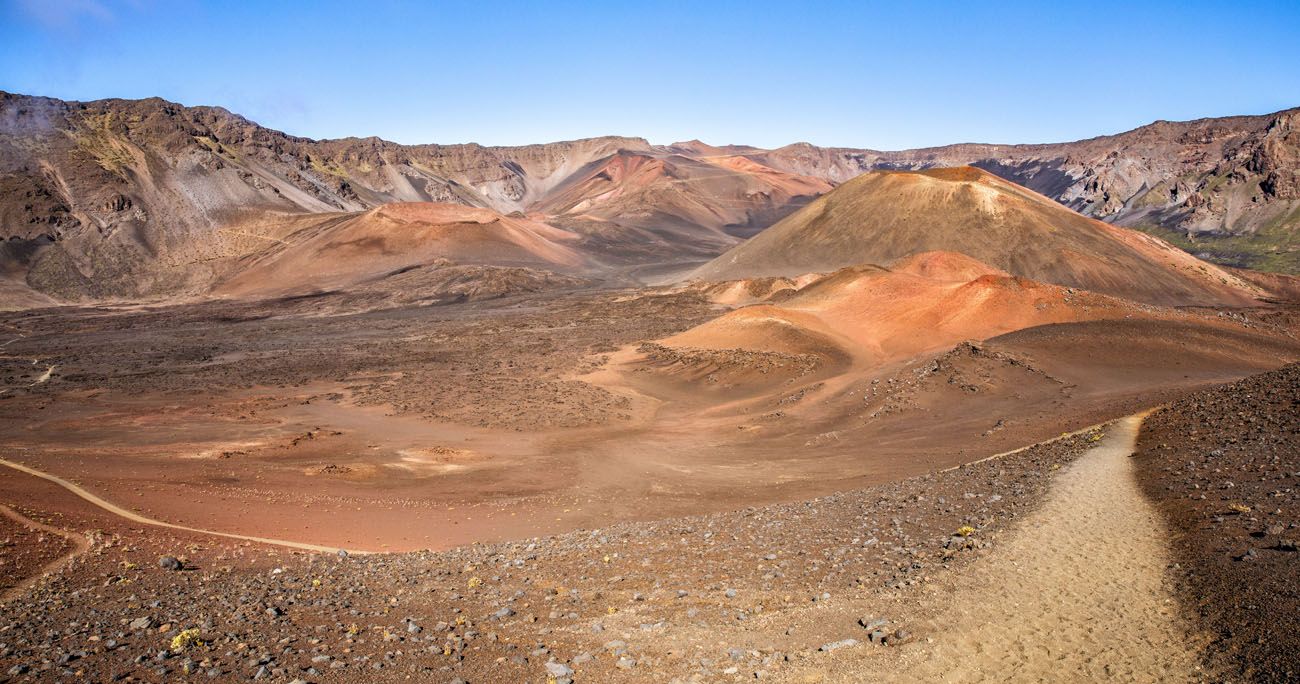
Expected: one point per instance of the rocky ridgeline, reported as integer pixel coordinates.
(137, 198)
(745, 593)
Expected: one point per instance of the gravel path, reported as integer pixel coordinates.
(1077, 592)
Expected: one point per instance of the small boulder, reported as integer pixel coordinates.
(871, 624)
(558, 670)
(836, 645)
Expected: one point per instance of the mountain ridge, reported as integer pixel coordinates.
(94, 195)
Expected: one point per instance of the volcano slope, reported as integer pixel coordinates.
(887, 215)
(339, 251)
(922, 303)
(932, 348)
(637, 206)
(118, 200)
(124, 200)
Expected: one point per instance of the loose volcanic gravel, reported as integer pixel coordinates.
(25, 551)
(1223, 466)
(505, 357)
(735, 595)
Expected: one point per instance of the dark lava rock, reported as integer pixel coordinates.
(1235, 448)
(170, 563)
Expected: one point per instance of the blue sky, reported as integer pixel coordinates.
(881, 75)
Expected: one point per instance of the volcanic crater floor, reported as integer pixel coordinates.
(549, 500)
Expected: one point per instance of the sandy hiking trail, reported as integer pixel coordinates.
(80, 544)
(137, 518)
(1077, 592)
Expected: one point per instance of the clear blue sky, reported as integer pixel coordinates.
(882, 75)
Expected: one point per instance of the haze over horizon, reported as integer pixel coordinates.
(832, 74)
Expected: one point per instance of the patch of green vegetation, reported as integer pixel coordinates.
(1273, 247)
(96, 138)
(1213, 183)
(331, 169)
(1157, 196)
(217, 148)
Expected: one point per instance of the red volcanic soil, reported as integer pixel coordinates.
(596, 498)
(342, 250)
(923, 303)
(1280, 285)
(945, 266)
(436, 426)
(883, 216)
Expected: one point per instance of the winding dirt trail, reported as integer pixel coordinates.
(80, 545)
(1077, 592)
(137, 518)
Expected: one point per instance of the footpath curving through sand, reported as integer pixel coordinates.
(1077, 592)
(80, 544)
(137, 518)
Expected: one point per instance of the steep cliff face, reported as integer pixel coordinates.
(131, 198)
(138, 140)
(128, 198)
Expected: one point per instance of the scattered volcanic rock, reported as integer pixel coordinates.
(1223, 467)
